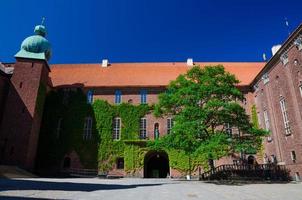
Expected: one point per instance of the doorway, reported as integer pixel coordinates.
(156, 165)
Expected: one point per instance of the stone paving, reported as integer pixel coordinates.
(145, 189)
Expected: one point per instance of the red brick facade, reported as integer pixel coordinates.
(279, 81)
(274, 87)
(20, 126)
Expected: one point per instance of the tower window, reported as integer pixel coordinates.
(143, 94)
(118, 97)
(90, 97)
(116, 128)
(143, 128)
(87, 133)
(21, 84)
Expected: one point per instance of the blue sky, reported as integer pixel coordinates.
(150, 30)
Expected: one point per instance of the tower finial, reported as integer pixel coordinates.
(43, 19)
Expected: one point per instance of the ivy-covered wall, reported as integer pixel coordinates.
(101, 151)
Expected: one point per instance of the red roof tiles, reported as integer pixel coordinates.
(140, 74)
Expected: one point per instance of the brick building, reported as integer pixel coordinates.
(273, 86)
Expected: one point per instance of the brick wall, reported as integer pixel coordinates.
(21, 125)
(284, 82)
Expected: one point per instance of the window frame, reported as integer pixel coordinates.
(285, 116)
(143, 96)
(170, 123)
(118, 97)
(116, 135)
(89, 97)
(87, 131)
(143, 128)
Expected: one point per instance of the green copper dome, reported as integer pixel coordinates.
(36, 46)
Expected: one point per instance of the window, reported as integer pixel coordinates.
(87, 133)
(118, 97)
(143, 128)
(90, 97)
(120, 163)
(265, 78)
(274, 159)
(293, 156)
(228, 129)
(116, 128)
(300, 88)
(285, 116)
(298, 43)
(58, 129)
(284, 58)
(21, 84)
(143, 94)
(267, 124)
(170, 124)
(297, 176)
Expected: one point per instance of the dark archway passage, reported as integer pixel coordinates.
(156, 164)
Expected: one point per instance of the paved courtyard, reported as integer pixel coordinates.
(136, 189)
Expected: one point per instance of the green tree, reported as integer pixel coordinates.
(203, 101)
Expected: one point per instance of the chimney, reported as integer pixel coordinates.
(275, 48)
(190, 62)
(105, 63)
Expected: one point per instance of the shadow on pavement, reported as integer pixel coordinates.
(14, 184)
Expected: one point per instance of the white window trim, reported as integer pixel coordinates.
(300, 89)
(170, 124)
(143, 128)
(117, 129)
(285, 117)
(298, 43)
(284, 58)
(265, 78)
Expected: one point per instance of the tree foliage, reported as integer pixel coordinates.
(203, 101)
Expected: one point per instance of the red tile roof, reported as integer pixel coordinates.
(140, 74)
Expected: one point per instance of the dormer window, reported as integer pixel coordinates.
(265, 78)
(284, 58)
(298, 43)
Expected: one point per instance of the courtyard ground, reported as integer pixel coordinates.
(145, 189)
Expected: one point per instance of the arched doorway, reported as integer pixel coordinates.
(156, 164)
